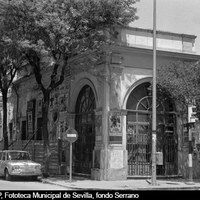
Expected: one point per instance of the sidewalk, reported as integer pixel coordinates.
(79, 183)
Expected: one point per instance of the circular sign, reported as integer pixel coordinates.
(71, 135)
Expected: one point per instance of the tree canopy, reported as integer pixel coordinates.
(52, 32)
(11, 58)
(182, 81)
(65, 28)
(11, 61)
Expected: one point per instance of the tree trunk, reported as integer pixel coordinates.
(5, 132)
(45, 109)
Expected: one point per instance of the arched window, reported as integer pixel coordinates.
(139, 120)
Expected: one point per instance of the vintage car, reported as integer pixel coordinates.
(18, 163)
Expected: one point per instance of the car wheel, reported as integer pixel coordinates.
(7, 176)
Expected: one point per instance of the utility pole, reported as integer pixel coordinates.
(153, 178)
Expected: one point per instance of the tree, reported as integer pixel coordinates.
(182, 81)
(55, 31)
(11, 60)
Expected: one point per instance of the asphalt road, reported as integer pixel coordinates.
(26, 184)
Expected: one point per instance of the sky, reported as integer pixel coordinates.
(178, 16)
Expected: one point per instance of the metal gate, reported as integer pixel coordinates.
(139, 150)
(85, 126)
(138, 147)
(139, 136)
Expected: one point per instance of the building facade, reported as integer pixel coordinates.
(1, 119)
(110, 107)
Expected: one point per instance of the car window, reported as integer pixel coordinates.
(7, 157)
(4, 156)
(19, 156)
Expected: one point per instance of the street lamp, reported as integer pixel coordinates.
(153, 178)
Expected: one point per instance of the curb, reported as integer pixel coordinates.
(128, 188)
(65, 186)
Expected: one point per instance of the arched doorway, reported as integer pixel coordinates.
(139, 112)
(85, 126)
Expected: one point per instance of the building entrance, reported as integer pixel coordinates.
(85, 126)
(139, 118)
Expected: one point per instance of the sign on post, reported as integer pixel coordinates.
(71, 135)
(159, 158)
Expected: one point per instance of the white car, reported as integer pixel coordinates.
(18, 163)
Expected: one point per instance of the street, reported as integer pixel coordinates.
(25, 184)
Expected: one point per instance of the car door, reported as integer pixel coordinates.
(3, 162)
(1, 153)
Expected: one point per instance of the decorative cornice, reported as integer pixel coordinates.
(157, 31)
(142, 50)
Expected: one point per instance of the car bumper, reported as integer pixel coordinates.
(21, 173)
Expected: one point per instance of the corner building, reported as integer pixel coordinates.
(110, 107)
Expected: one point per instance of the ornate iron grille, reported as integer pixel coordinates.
(139, 150)
(85, 126)
(139, 133)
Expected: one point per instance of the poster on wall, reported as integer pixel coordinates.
(115, 125)
(63, 123)
(30, 122)
(39, 104)
(30, 117)
(62, 102)
(39, 107)
(115, 122)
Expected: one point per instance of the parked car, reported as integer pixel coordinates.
(18, 163)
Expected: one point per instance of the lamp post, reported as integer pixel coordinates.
(153, 178)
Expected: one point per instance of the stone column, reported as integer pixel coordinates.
(110, 155)
(100, 154)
